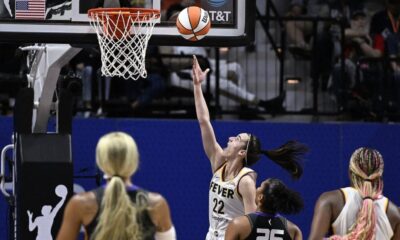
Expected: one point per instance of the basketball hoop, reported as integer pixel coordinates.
(123, 34)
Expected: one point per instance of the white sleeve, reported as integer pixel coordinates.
(167, 235)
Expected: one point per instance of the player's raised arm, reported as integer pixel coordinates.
(247, 188)
(211, 147)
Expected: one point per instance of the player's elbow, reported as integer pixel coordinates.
(250, 208)
(204, 121)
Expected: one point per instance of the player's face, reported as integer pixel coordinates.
(238, 142)
(358, 23)
(260, 192)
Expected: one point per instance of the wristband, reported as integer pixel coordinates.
(167, 235)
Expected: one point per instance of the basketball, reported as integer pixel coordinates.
(193, 23)
(61, 191)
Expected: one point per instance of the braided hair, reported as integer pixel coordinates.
(366, 169)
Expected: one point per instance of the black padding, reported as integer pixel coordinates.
(65, 111)
(46, 148)
(43, 164)
(23, 110)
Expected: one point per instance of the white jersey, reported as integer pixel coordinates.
(224, 203)
(348, 215)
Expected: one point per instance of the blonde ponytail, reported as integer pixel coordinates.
(117, 157)
(118, 218)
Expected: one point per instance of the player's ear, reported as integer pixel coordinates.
(242, 153)
(259, 199)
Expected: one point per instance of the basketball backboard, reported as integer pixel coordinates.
(66, 21)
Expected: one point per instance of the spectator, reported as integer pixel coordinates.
(327, 42)
(385, 34)
(358, 44)
(299, 32)
(141, 92)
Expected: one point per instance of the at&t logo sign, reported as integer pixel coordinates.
(216, 3)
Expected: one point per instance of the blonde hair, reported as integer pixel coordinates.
(118, 157)
(366, 170)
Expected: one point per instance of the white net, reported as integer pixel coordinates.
(123, 35)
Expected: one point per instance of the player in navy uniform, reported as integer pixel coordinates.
(118, 210)
(272, 197)
(232, 189)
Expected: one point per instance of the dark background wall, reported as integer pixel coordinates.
(173, 162)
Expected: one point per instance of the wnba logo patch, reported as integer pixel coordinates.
(216, 3)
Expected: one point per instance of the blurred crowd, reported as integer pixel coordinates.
(354, 58)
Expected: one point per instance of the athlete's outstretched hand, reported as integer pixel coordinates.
(198, 74)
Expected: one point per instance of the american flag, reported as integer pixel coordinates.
(30, 9)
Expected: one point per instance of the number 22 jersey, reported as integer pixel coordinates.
(224, 203)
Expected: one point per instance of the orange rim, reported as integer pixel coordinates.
(137, 13)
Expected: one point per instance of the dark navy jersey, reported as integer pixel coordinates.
(140, 198)
(267, 226)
